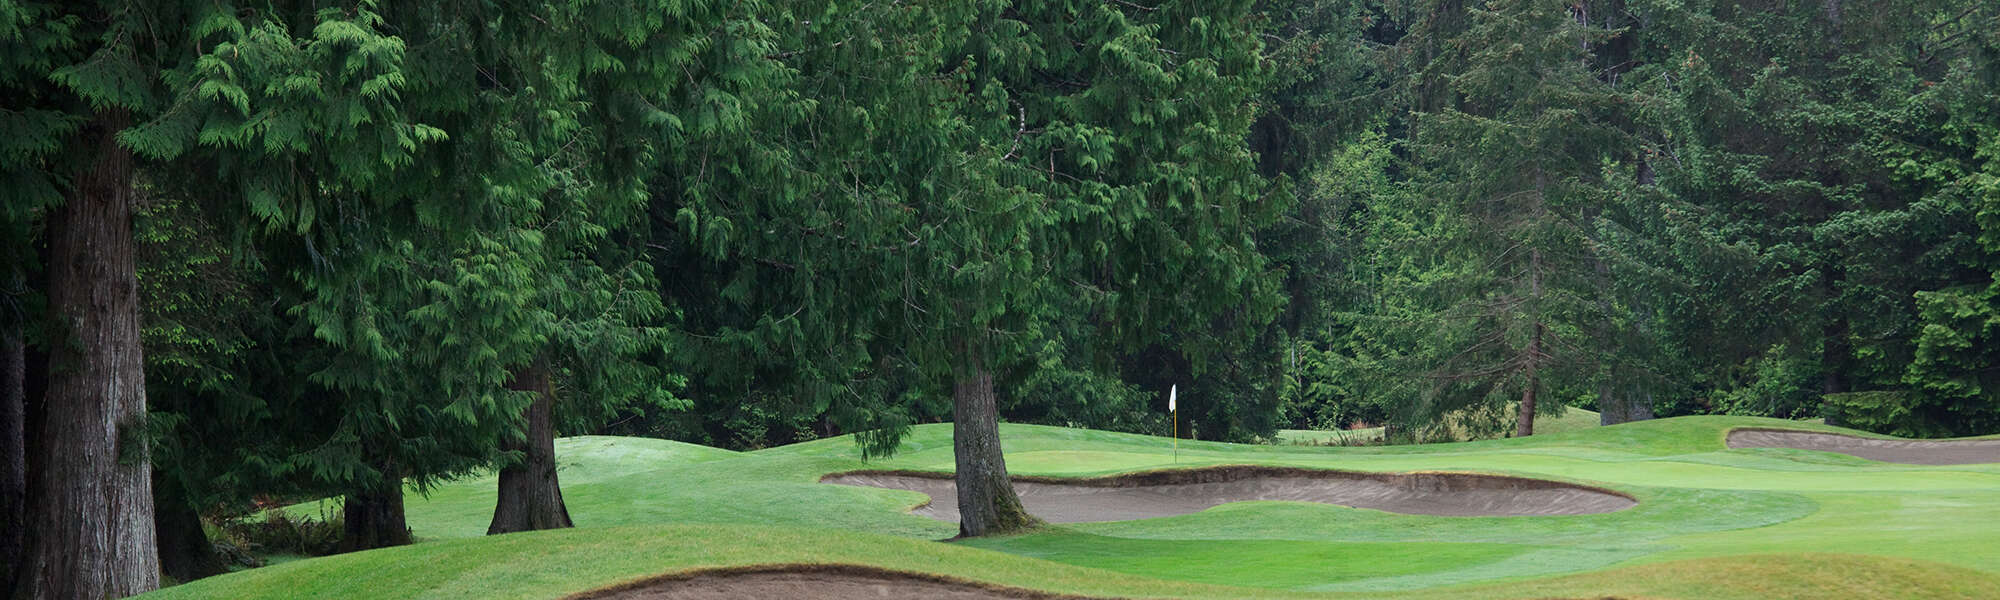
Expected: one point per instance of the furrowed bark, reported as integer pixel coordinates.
(374, 516)
(185, 552)
(13, 442)
(91, 495)
(987, 503)
(530, 494)
(1639, 406)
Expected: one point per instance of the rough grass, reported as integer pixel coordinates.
(1571, 419)
(1712, 522)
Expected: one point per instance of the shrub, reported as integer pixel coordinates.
(279, 531)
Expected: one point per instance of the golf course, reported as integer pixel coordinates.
(1709, 522)
(999, 299)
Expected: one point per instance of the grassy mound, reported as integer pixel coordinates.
(1711, 522)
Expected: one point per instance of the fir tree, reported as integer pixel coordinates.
(1513, 154)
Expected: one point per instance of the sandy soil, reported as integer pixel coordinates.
(1167, 493)
(1914, 452)
(828, 582)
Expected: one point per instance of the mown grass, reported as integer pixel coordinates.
(1757, 515)
(556, 563)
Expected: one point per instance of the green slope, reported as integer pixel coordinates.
(646, 506)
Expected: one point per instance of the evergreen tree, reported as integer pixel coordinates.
(1514, 155)
(599, 299)
(1807, 190)
(1328, 105)
(85, 82)
(1131, 143)
(957, 189)
(404, 258)
(1956, 367)
(199, 326)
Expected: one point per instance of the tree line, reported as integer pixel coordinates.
(293, 250)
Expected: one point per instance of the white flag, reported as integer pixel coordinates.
(1171, 392)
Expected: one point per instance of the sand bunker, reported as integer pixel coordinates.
(1912, 452)
(1167, 493)
(831, 582)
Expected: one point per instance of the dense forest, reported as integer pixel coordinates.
(290, 250)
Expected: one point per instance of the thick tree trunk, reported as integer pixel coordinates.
(1639, 406)
(1616, 407)
(185, 552)
(1831, 383)
(530, 496)
(91, 495)
(374, 517)
(1835, 353)
(986, 501)
(13, 446)
(1612, 408)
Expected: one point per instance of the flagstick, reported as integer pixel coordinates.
(1174, 414)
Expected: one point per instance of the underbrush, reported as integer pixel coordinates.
(275, 531)
(1346, 438)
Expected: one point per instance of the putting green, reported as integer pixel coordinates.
(1711, 522)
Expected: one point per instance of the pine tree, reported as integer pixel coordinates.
(1328, 106)
(1807, 196)
(1955, 365)
(1511, 141)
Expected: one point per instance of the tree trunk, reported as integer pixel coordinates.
(1831, 383)
(91, 494)
(1524, 425)
(1834, 351)
(13, 445)
(1634, 404)
(986, 501)
(374, 517)
(1612, 408)
(185, 552)
(530, 496)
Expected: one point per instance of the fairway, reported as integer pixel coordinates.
(1710, 521)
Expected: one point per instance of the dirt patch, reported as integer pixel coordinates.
(1177, 492)
(831, 582)
(1911, 452)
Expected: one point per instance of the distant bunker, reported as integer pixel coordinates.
(1177, 492)
(815, 582)
(1909, 452)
